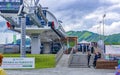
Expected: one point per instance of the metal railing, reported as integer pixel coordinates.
(59, 55)
(71, 56)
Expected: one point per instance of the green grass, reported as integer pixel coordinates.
(41, 60)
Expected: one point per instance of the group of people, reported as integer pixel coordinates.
(96, 57)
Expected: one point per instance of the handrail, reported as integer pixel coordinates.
(59, 55)
(71, 55)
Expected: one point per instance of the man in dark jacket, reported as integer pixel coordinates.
(89, 56)
(97, 56)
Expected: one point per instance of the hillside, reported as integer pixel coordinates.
(93, 37)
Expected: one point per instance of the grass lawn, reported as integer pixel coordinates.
(41, 60)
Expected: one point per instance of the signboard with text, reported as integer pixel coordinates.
(10, 6)
(15, 63)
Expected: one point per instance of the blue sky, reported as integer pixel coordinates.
(81, 15)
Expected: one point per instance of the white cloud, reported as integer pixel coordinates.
(75, 27)
(113, 16)
(55, 4)
(115, 6)
(108, 29)
(92, 16)
(95, 29)
(111, 1)
(113, 28)
(97, 14)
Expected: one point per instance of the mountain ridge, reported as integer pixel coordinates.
(94, 37)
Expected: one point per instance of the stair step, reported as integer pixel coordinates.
(80, 61)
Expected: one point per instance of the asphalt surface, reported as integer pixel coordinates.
(62, 71)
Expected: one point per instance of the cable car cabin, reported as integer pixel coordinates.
(10, 6)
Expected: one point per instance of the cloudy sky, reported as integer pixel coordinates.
(81, 15)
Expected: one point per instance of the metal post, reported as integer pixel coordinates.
(103, 26)
(23, 36)
(103, 29)
(100, 30)
(103, 32)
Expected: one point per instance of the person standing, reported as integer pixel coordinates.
(89, 56)
(95, 59)
(2, 71)
(97, 56)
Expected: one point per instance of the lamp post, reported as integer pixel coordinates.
(103, 25)
(103, 31)
(100, 31)
(97, 29)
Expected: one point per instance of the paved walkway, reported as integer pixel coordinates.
(62, 69)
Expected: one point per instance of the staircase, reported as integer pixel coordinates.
(79, 60)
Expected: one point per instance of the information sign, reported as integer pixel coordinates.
(15, 63)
